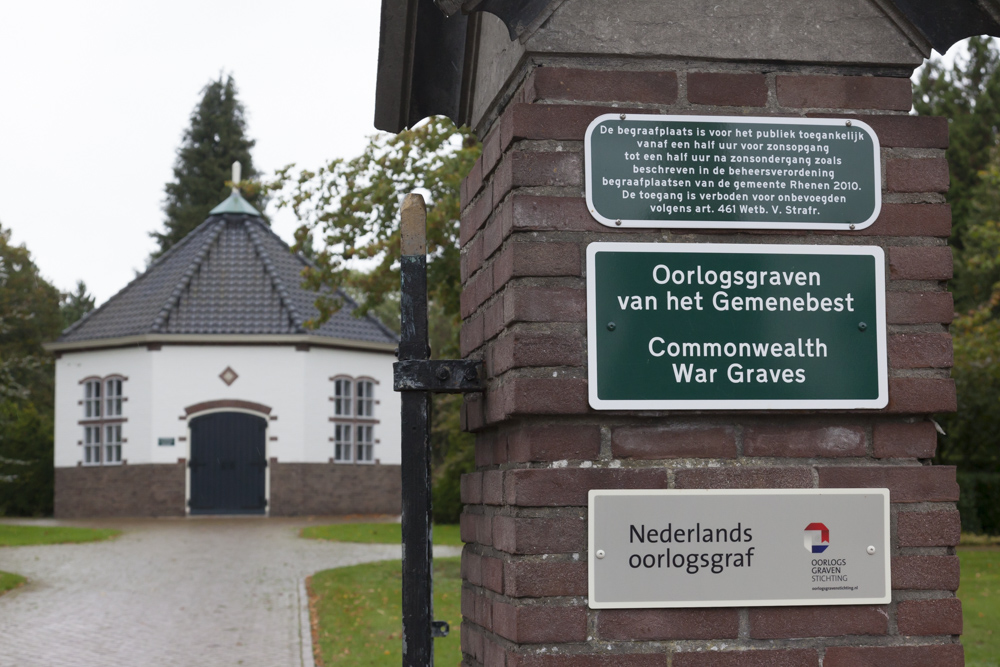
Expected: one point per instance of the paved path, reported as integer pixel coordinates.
(202, 592)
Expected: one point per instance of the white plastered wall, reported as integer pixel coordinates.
(71, 369)
(162, 383)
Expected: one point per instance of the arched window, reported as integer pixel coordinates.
(92, 399)
(113, 397)
(366, 398)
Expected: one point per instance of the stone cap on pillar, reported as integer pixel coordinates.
(457, 57)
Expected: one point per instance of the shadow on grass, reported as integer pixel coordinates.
(356, 618)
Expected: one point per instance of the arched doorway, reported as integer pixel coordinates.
(228, 462)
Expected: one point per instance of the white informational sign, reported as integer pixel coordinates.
(738, 548)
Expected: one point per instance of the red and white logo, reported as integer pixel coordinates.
(817, 538)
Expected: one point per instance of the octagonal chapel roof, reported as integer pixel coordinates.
(230, 277)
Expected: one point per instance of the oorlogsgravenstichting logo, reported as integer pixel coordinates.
(813, 545)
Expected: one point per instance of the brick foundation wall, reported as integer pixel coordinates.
(539, 447)
(158, 490)
(86, 492)
(333, 488)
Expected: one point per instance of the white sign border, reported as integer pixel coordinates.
(881, 401)
(886, 598)
(736, 224)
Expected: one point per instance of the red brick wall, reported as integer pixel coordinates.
(539, 447)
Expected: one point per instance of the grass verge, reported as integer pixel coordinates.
(973, 540)
(355, 611)
(9, 581)
(21, 536)
(377, 533)
(356, 615)
(979, 591)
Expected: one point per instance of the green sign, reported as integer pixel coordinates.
(732, 172)
(721, 327)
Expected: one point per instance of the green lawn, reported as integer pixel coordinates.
(980, 594)
(21, 536)
(378, 533)
(9, 581)
(356, 618)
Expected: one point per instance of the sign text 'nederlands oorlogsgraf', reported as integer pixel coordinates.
(732, 172)
(669, 548)
(721, 326)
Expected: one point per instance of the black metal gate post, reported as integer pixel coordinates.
(418, 642)
(416, 376)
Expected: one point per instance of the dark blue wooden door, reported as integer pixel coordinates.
(227, 464)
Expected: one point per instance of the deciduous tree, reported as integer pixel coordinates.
(348, 212)
(29, 316)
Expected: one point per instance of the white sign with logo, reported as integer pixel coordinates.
(738, 547)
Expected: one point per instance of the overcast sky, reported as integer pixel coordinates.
(94, 98)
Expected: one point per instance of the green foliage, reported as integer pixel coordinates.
(973, 433)
(26, 466)
(350, 210)
(10, 581)
(968, 94)
(454, 454)
(376, 533)
(348, 213)
(356, 613)
(979, 503)
(74, 305)
(29, 306)
(979, 591)
(22, 536)
(215, 139)
(29, 316)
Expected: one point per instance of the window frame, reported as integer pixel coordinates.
(103, 419)
(92, 398)
(354, 408)
(343, 447)
(113, 401)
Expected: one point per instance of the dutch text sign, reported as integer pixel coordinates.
(734, 548)
(721, 326)
(732, 172)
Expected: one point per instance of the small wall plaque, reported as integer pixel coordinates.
(165, 442)
(732, 172)
(738, 548)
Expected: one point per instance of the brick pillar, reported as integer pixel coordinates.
(540, 448)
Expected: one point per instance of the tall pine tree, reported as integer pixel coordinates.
(215, 139)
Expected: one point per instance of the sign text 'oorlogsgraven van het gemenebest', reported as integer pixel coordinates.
(732, 172)
(747, 547)
(721, 326)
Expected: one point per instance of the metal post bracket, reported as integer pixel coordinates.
(440, 376)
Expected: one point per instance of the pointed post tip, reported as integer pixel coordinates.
(413, 225)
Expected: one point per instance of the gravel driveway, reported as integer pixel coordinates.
(180, 592)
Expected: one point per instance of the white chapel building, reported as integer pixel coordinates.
(197, 389)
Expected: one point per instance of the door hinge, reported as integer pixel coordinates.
(442, 376)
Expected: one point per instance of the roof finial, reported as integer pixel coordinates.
(237, 169)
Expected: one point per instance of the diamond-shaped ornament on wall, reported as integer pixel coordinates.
(228, 376)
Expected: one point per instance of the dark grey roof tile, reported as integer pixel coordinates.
(231, 275)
